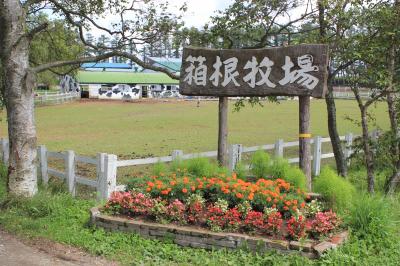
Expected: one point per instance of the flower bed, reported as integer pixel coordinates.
(264, 208)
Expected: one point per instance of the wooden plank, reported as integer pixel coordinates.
(293, 160)
(120, 188)
(57, 155)
(84, 159)
(43, 163)
(261, 147)
(222, 156)
(316, 164)
(144, 161)
(291, 70)
(279, 148)
(327, 155)
(55, 173)
(235, 156)
(70, 172)
(5, 150)
(200, 154)
(86, 181)
(304, 138)
(290, 144)
(109, 179)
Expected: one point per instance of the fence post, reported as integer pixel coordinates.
(176, 155)
(348, 149)
(316, 164)
(100, 175)
(43, 164)
(279, 148)
(5, 150)
(70, 171)
(235, 155)
(109, 177)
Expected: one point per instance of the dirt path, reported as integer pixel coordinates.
(16, 252)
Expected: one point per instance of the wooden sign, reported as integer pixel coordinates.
(299, 70)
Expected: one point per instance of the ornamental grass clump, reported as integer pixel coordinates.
(337, 191)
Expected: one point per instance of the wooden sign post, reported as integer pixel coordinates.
(299, 70)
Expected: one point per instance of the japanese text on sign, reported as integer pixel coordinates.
(295, 70)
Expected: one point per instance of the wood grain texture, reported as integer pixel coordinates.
(304, 143)
(318, 52)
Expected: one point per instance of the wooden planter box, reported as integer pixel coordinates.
(201, 238)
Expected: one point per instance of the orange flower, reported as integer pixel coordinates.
(193, 188)
(172, 183)
(185, 180)
(288, 203)
(151, 184)
(164, 192)
(251, 196)
(294, 207)
(234, 175)
(286, 208)
(239, 195)
(148, 189)
(184, 190)
(303, 204)
(269, 199)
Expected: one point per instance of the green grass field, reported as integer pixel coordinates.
(157, 128)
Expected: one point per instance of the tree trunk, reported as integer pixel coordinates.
(19, 84)
(340, 160)
(223, 131)
(393, 181)
(369, 161)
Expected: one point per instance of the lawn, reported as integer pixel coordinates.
(157, 128)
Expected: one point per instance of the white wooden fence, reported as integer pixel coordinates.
(56, 98)
(107, 164)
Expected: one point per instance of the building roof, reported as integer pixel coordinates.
(173, 64)
(106, 65)
(105, 77)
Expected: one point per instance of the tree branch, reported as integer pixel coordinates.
(77, 61)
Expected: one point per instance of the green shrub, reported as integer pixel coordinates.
(280, 168)
(201, 167)
(371, 216)
(159, 169)
(260, 163)
(240, 171)
(337, 191)
(296, 177)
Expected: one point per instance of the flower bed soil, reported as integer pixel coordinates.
(190, 236)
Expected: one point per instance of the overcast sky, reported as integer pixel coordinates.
(200, 11)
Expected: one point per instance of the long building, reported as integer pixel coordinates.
(120, 81)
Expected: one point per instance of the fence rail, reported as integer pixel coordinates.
(56, 98)
(107, 164)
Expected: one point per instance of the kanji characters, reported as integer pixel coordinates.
(230, 72)
(250, 78)
(197, 74)
(225, 72)
(217, 72)
(301, 75)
